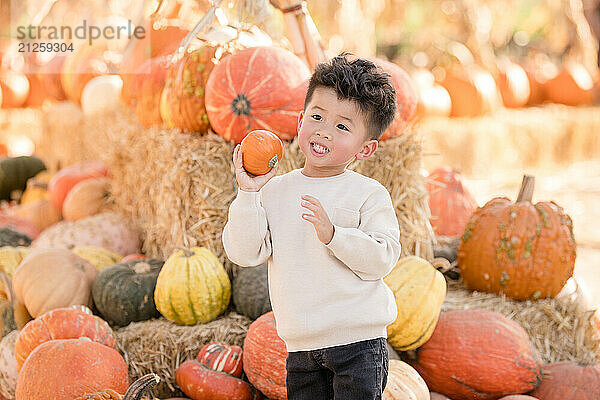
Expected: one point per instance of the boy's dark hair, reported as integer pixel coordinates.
(361, 81)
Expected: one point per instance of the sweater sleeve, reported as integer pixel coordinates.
(372, 249)
(246, 236)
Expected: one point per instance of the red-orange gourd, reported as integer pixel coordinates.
(222, 357)
(264, 357)
(185, 87)
(261, 151)
(70, 368)
(201, 382)
(406, 97)
(256, 88)
(567, 380)
(62, 323)
(64, 180)
(487, 357)
(521, 249)
(451, 203)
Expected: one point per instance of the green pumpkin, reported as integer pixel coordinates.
(14, 172)
(124, 292)
(8, 237)
(251, 291)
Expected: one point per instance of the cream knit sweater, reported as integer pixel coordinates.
(321, 295)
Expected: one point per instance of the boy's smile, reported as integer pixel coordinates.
(331, 132)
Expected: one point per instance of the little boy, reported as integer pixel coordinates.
(330, 235)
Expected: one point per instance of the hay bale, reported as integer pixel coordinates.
(558, 328)
(178, 187)
(160, 346)
(512, 139)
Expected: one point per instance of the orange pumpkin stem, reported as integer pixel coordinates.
(526, 192)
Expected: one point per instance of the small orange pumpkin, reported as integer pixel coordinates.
(261, 151)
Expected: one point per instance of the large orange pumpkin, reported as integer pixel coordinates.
(80, 67)
(524, 250)
(256, 88)
(451, 204)
(264, 357)
(148, 84)
(472, 90)
(568, 380)
(406, 97)
(184, 103)
(69, 368)
(62, 323)
(478, 354)
(65, 179)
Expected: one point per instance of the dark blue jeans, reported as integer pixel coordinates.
(347, 372)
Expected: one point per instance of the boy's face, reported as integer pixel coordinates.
(339, 126)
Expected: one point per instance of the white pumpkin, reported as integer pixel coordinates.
(8, 365)
(405, 383)
(102, 94)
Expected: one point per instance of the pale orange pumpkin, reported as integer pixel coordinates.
(52, 278)
(86, 198)
(261, 151)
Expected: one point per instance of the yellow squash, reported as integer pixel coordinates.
(420, 290)
(192, 287)
(11, 257)
(97, 256)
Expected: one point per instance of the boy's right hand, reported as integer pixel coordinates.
(246, 181)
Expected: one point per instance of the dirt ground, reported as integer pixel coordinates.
(576, 188)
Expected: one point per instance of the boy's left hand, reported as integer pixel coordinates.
(319, 218)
